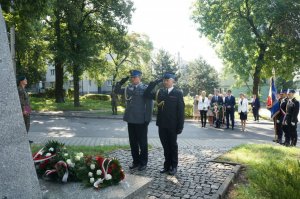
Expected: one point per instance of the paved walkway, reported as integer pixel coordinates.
(197, 177)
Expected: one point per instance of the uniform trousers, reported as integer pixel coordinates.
(292, 135)
(27, 122)
(168, 138)
(279, 132)
(138, 141)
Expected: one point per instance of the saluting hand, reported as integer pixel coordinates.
(123, 80)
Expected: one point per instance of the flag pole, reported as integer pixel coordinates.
(275, 118)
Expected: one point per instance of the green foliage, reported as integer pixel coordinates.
(101, 97)
(199, 76)
(251, 37)
(162, 63)
(273, 171)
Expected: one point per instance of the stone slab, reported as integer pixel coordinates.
(18, 178)
(132, 187)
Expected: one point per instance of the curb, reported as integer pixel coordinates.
(220, 194)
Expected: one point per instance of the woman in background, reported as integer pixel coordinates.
(203, 105)
(243, 110)
(196, 113)
(210, 114)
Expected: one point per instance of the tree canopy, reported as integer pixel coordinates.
(251, 35)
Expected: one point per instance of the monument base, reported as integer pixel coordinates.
(131, 187)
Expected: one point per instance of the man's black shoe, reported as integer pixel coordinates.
(164, 170)
(173, 171)
(133, 166)
(30, 141)
(142, 167)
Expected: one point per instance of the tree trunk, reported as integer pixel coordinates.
(59, 83)
(258, 67)
(76, 85)
(59, 70)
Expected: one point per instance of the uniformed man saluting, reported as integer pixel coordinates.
(138, 114)
(170, 118)
(292, 110)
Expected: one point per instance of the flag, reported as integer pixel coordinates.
(272, 102)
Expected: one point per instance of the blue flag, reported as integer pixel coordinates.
(272, 102)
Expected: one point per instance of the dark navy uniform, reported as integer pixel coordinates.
(170, 122)
(138, 114)
(281, 127)
(292, 110)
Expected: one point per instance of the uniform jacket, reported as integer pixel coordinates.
(203, 105)
(138, 108)
(230, 101)
(243, 105)
(24, 98)
(292, 110)
(170, 109)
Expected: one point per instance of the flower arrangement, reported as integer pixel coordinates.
(55, 162)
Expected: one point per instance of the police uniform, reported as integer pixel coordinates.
(137, 114)
(25, 104)
(281, 127)
(292, 110)
(170, 121)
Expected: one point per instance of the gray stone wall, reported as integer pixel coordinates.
(18, 178)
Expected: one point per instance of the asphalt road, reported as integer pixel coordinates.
(64, 127)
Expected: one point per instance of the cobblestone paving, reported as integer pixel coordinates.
(196, 176)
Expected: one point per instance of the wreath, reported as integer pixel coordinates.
(55, 162)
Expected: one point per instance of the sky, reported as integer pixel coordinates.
(168, 24)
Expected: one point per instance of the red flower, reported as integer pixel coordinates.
(44, 164)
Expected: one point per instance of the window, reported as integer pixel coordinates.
(109, 83)
(90, 82)
(52, 72)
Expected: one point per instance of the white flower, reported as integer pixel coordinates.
(69, 162)
(48, 154)
(72, 165)
(90, 174)
(40, 153)
(92, 166)
(80, 154)
(77, 158)
(51, 149)
(66, 154)
(99, 172)
(92, 180)
(108, 177)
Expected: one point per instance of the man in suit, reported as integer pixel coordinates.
(229, 104)
(138, 114)
(292, 110)
(170, 118)
(255, 107)
(217, 100)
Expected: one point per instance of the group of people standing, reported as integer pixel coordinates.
(286, 119)
(170, 117)
(219, 109)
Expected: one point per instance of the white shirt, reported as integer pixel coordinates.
(203, 105)
(170, 89)
(243, 105)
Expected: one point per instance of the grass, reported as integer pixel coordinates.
(273, 172)
(43, 104)
(87, 150)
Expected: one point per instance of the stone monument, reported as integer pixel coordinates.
(18, 178)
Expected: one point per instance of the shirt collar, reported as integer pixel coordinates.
(170, 89)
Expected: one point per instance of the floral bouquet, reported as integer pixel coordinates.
(55, 162)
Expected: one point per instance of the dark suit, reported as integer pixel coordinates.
(216, 99)
(229, 104)
(255, 108)
(292, 110)
(170, 120)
